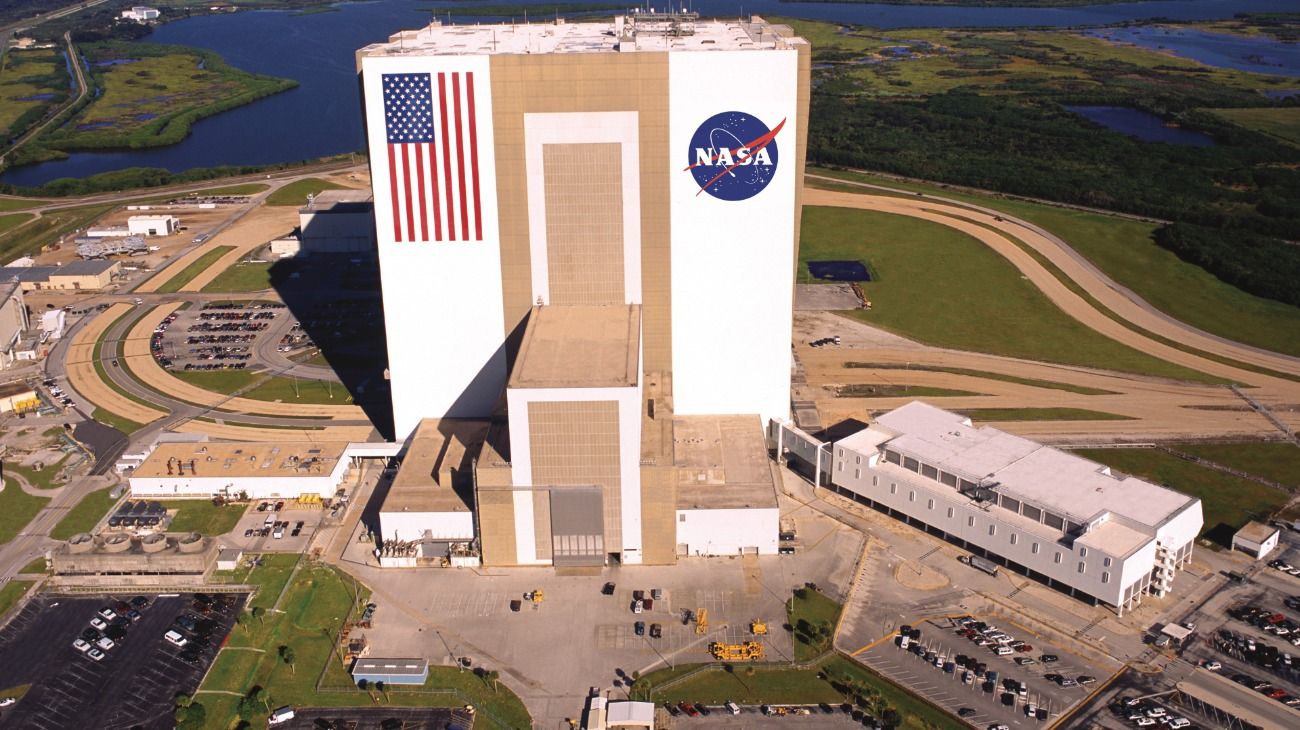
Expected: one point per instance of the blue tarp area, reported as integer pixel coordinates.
(839, 270)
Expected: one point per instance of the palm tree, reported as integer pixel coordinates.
(288, 657)
(494, 675)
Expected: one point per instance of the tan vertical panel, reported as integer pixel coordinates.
(576, 443)
(800, 143)
(584, 223)
(585, 82)
(658, 515)
(542, 523)
(496, 524)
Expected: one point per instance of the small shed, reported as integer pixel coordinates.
(391, 671)
(1256, 539)
(630, 716)
(228, 558)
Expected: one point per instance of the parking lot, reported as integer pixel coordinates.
(134, 681)
(254, 532)
(378, 718)
(216, 336)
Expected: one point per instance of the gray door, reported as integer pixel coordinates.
(577, 527)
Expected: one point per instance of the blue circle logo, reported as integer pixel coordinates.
(733, 155)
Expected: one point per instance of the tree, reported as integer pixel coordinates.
(247, 707)
(258, 613)
(288, 657)
(493, 676)
(262, 697)
(242, 620)
(190, 716)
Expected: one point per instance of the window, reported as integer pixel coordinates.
(929, 504)
(1032, 513)
(1058, 559)
(857, 473)
(1034, 548)
(949, 479)
(1105, 577)
(841, 466)
(893, 489)
(970, 521)
(1013, 538)
(950, 513)
(993, 530)
(1010, 504)
(893, 457)
(967, 486)
(859, 460)
(911, 464)
(929, 471)
(875, 481)
(911, 496)
(1075, 528)
(841, 453)
(1082, 566)
(1083, 551)
(681, 518)
(1056, 522)
(1105, 563)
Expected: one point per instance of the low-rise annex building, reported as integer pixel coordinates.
(1063, 520)
(258, 470)
(1256, 539)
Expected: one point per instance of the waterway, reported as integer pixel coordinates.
(1142, 125)
(1256, 54)
(322, 115)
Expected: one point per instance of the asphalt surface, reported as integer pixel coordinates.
(105, 442)
(133, 686)
(374, 718)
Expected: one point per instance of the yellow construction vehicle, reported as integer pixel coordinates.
(745, 651)
(701, 620)
(534, 596)
(758, 627)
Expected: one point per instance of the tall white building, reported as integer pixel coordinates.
(1059, 518)
(587, 235)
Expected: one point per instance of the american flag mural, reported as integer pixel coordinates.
(432, 156)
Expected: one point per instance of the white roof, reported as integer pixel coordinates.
(1070, 485)
(591, 37)
(620, 713)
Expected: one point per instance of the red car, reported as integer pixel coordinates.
(1277, 694)
(1024, 647)
(689, 709)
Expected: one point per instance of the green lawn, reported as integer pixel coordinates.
(11, 593)
(195, 268)
(42, 479)
(244, 189)
(1279, 122)
(275, 388)
(36, 567)
(1040, 414)
(17, 508)
(894, 390)
(201, 516)
(242, 277)
(1124, 250)
(29, 239)
(841, 680)
(1082, 390)
(7, 203)
(295, 193)
(25, 76)
(83, 517)
(111, 419)
(315, 606)
(13, 220)
(813, 615)
(1013, 318)
(1274, 460)
(1227, 502)
(270, 577)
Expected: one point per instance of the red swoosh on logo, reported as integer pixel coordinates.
(754, 146)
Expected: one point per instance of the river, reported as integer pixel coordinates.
(322, 115)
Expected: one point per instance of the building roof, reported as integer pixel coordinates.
(152, 217)
(637, 713)
(721, 463)
(580, 347)
(609, 36)
(1070, 485)
(340, 201)
(17, 387)
(1229, 697)
(402, 667)
(44, 273)
(435, 475)
(1256, 532)
(243, 459)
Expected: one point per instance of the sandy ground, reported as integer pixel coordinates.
(81, 370)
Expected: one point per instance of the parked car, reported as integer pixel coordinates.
(96, 654)
(639, 628)
(81, 645)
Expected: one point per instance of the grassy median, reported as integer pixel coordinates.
(17, 508)
(195, 268)
(85, 515)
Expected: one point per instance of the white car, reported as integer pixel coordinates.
(1156, 712)
(107, 613)
(7, 701)
(174, 637)
(1179, 722)
(81, 645)
(1144, 721)
(98, 623)
(1213, 666)
(105, 643)
(96, 654)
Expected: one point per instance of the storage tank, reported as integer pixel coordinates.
(82, 543)
(118, 543)
(191, 543)
(156, 542)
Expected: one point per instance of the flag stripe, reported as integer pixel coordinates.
(392, 183)
(433, 189)
(473, 156)
(419, 183)
(446, 156)
(406, 178)
(460, 154)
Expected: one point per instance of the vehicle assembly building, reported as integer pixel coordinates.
(587, 236)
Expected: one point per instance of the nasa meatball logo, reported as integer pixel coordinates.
(733, 155)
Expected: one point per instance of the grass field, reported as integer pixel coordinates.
(275, 388)
(845, 681)
(7, 204)
(196, 267)
(42, 479)
(242, 277)
(11, 221)
(813, 615)
(1040, 414)
(1280, 123)
(84, 516)
(1051, 385)
(17, 508)
(25, 77)
(893, 390)
(313, 609)
(1227, 502)
(112, 420)
(11, 593)
(29, 238)
(1278, 461)
(35, 567)
(243, 189)
(1124, 250)
(1018, 322)
(295, 193)
(201, 516)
